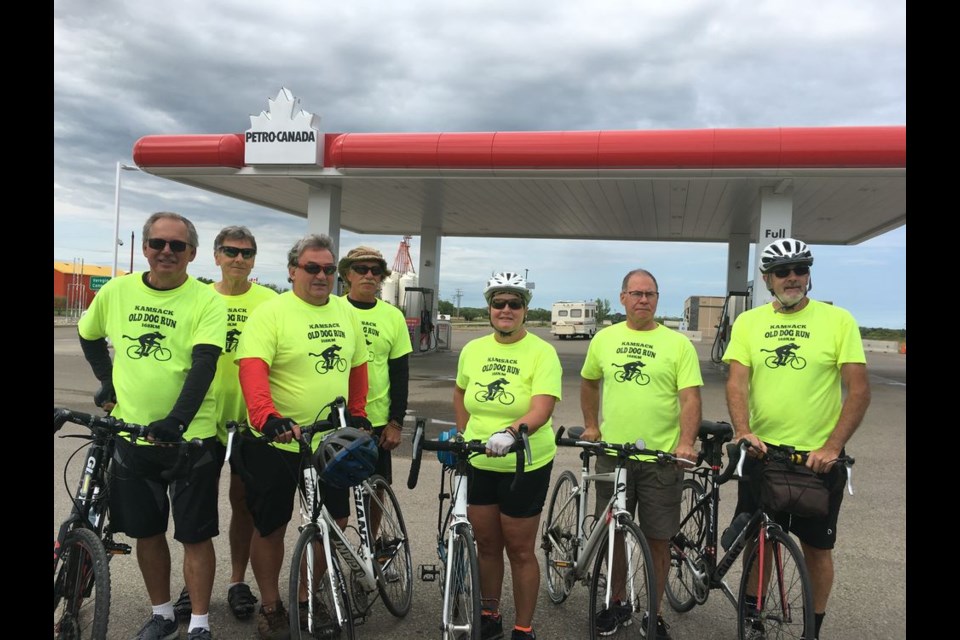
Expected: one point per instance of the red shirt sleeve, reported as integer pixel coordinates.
(359, 385)
(255, 383)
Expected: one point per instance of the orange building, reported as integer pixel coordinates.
(73, 283)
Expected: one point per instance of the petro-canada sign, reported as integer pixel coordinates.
(285, 134)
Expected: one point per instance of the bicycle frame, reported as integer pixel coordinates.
(456, 515)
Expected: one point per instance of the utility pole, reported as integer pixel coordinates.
(131, 252)
(458, 295)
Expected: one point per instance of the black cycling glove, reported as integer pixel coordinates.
(105, 394)
(166, 430)
(275, 426)
(360, 422)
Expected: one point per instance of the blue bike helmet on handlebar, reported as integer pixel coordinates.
(346, 457)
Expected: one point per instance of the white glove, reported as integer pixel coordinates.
(500, 442)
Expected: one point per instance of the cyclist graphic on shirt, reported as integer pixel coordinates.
(147, 341)
(330, 355)
(233, 339)
(495, 387)
(632, 369)
(783, 353)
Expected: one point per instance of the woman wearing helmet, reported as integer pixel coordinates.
(505, 379)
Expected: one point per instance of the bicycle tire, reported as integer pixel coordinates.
(686, 549)
(559, 539)
(463, 587)
(507, 398)
(81, 588)
(395, 574)
(640, 583)
(788, 590)
(326, 594)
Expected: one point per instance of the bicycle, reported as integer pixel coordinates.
(136, 352)
(336, 362)
(85, 543)
(456, 547)
(785, 608)
(577, 550)
(382, 565)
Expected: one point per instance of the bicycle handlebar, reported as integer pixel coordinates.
(787, 454)
(626, 450)
(110, 425)
(463, 449)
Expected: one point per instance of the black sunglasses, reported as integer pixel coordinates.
(362, 269)
(233, 252)
(177, 246)
(785, 271)
(313, 268)
(500, 304)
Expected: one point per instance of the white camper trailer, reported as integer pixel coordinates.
(573, 319)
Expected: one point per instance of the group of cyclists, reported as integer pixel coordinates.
(240, 352)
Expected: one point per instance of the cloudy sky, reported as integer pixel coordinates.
(123, 70)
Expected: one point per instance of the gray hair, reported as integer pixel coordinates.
(234, 232)
(193, 239)
(626, 278)
(312, 241)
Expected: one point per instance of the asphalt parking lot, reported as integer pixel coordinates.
(869, 594)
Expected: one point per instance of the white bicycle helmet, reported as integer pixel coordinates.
(784, 252)
(508, 282)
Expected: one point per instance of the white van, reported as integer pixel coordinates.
(573, 319)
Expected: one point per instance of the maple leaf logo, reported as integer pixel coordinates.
(284, 134)
(284, 113)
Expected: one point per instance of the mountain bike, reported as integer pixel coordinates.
(576, 549)
(85, 542)
(456, 547)
(374, 565)
(774, 571)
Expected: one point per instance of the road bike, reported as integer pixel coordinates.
(336, 362)
(377, 563)
(85, 542)
(791, 359)
(135, 352)
(456, 548)
(774, 571)
(576, 549)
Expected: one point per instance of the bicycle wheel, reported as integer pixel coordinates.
(559, 540)
(318, 616)
(462, 592)
(391, 548)
(81, 588)
(785, 605)
(634, 573)
(686, 546)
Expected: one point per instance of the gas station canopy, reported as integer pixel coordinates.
(848, 184)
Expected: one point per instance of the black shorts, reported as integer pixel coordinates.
(493, 488)
(819, 533)
(141, 499)
(272, 476)
(384, 457)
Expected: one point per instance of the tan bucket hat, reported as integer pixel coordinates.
(360, 254)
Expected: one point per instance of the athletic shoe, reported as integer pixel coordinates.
(491, 627)
(200, 633)
(662, 633)
(241, 600)
(158, 628)
(182, 608)
(523, 635)
(609, 620)
(274, 625)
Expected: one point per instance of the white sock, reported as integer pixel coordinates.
(199, 621)
(165, 610)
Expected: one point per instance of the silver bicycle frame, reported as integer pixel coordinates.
(459, 513)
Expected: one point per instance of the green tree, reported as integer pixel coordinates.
(446, 308)
(603, 310)
(538, 315)
(275, 287)
(472, 313)
(205, 280)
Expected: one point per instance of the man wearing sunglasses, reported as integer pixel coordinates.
(284, 387)
(651, 382)
(235, 253)
(168, 387)
(795, 399)
(363, 270)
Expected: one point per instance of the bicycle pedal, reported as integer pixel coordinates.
(117, 548)
(429, 572)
